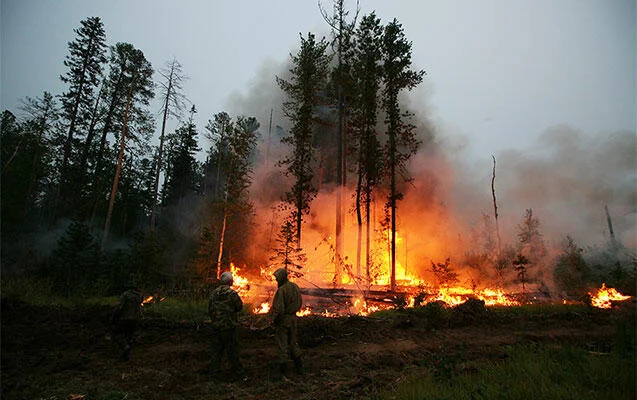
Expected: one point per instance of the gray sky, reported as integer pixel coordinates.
(499, 72)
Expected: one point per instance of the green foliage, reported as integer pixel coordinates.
(130, 74)
(308, 78)
(182, 167)
(179, 309)
(84, 62)
(287, 253)
(538, 373)
(75, 265)
(571, 271)
(435, 314)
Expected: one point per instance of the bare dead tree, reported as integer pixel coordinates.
(173, 102)
(495, 207)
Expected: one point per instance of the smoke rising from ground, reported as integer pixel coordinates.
(566, 178)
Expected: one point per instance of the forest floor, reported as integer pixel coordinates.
(67, 353)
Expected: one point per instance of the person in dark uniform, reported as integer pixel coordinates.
(287, 301)
(223, 307)
(126, 318)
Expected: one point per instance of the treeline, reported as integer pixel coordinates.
(96, 190)
(83, 164)
(81, 169)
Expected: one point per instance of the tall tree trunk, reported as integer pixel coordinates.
(161, 149)
(495, 209)
(368, 250)
(613, 241)
(97, 173)
(267, 148)
(359, 220)
(219, 157)
(118, 170)
(392, 195)
(223, 233)
(339, 179)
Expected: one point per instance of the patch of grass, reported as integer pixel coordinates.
(538, 373)
(34, 291)
(538, 309)
(179, 309)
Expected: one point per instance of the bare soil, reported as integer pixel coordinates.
(59, 353)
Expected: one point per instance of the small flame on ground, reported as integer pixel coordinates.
(304, 312)
(604, 296)
(264, 308)
(151, 299)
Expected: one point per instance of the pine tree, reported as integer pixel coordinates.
(75, 263)
(288, 254)
(218, 131)
(126, 64)
(43, 134)
(134, 73)
(308, 77)
(402, 143)
(530, 250)
(183, 178)
(342, 32)
(571, 270)
(231, 158)
(84, 62)
(366, 68)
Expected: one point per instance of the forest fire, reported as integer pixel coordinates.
(240, 283)
(420, 278)
(605, 296)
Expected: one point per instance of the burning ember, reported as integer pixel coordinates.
(604, 296)
(151, 300)
(264, 308)
(304, 311)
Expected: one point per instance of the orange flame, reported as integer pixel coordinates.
(264, 308)
(239, 283)
(151, 299)
(604, 296)
(304, 312)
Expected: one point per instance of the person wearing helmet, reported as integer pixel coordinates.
(287, 301)
(126, 317)
(223, 307)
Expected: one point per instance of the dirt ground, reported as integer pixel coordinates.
(55, 353)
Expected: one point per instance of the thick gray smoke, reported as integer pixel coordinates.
(567, 178)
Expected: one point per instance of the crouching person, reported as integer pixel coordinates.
(287, 301)
(223, 307)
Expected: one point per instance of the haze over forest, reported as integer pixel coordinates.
(122, 172)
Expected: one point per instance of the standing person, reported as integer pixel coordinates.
(287, 301)
(126, 317)
(223, 307)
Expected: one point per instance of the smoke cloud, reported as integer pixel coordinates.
(566, 178)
